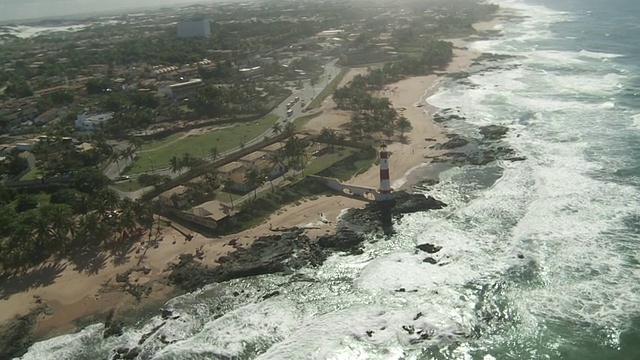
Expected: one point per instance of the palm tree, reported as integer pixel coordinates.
(289, 129)
(276, 128)
(327, 135)
(187, 160)
(127, 217)
(62, 224)
(403, 125)
(214, 153)
(211, 178)
(175, 164)
(253, 179)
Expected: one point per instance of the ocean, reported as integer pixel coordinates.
(570, 95)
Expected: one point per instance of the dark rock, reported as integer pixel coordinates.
(131, 354)
(144, 337)
(455, 142)
(343, 240)
(516, 158)
(493, 132)
(409, 329)
(123, 277)
(48, 310)
(369, 333)
(401, 290)
(418, 316)
(236, 294)
(166, 314)
(411, 203)
(430, 260)
(17, 335)
(270, 295)
(111, 327)
(429, 248)
(520, 256)
(429, 139)
(269, 254)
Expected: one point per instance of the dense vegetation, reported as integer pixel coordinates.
(83, 216)
(376, 115)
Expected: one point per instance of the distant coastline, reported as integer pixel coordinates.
(76, 299)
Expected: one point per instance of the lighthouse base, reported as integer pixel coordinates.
(386, 196)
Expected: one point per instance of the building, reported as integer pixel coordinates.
(181, 90)
(250, 72)
(194, 28)
(86, 122)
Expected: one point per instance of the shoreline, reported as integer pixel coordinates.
(75, 298)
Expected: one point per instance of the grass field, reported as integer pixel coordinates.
(328, 90)
(322, 162)
(33, 174)
(157, 153)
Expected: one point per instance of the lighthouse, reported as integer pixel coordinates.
(386, 192)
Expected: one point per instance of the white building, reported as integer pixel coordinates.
(191, 28)
(181, 90)
(86, 122)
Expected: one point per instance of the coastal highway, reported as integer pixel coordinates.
(307, 93)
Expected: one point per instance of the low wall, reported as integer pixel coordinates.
(359, 192)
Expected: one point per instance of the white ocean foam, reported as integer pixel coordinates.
(597, 55)
(636, 121)
(62, 347)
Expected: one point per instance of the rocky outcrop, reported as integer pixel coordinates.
(455, 142)
(429, 248)
(343, 240)
(291, 250)
(112, 327)
(267, 255)
(379, 216)
(493, 132)
(17, 335)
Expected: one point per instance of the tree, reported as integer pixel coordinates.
(25, 202)
(175, 164)
(289, 129)
(127, 218)
(90, 180)
(253, 179)
(214, 153)
(403, 125)
(276, 128)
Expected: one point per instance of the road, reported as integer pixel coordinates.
(307, 93)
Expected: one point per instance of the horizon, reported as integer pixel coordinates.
(34, 10)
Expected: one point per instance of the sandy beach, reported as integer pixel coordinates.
(71, 295)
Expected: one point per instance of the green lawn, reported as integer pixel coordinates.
(320, 163)
(328, 90)
(33, 174)
(128, 186)
(198, 145)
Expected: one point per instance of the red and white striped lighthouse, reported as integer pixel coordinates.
(386, 192)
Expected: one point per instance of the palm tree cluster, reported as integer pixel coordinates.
(239, 98)
(295, 152)
(186, 161)
(74, 220)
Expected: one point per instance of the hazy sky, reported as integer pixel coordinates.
(29, 9)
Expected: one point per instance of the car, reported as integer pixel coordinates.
(289, 112)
